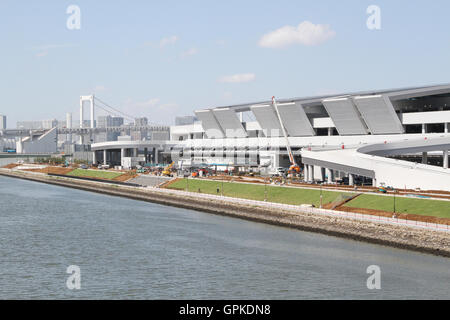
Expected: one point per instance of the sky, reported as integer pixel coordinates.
(161, 59)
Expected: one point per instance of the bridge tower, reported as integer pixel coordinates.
(91, 102)
(90, 99)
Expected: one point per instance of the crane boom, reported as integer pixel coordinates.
(294, 166)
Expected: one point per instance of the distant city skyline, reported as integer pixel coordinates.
(160, 60)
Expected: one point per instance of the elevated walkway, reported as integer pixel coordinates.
(370, 161)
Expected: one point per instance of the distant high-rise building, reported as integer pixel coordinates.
(117, 121)
(185, 120)
(2, 122)
(29, 125)
(49, 124)
(141, 122)
(104, 122)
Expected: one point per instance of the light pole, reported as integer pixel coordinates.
(265, 189)
(321, 196)
(394, 202)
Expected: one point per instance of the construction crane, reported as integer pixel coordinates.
(168, 170)
(294, 168)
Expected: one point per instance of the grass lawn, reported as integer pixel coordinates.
(295, 196)
(425, 207)
(94, 174)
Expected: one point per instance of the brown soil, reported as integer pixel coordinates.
(126, 176)
(63, 171)
(53, 170)
(11, 166)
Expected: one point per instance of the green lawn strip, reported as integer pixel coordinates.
(295, 196)
(424, 207)
(94, 174)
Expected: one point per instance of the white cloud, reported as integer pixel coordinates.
(168, 41)
(305, 33)
(190, 52)
(238, 78)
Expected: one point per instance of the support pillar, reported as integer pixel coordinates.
(311, 173)
(424, 128)
(92, 112)
(156, 156)
(374, 182)
(94, 157)
(424, 157)
(305, 173)
(330, 131)
(351, 179)
(322, 173)
(446, 125)
(445, 154)
(329, 174)
(105, 154)
(135, 152)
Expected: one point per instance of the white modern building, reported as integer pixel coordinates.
(2, 122)
(397, 137)
(39, 144)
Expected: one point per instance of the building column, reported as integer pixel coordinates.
(351, 179)
(311, 173)
(374, 182)
(424, 157)
(305, 173)
(322, 173)
(446, 127)
(424, 128)
(135, 152)
(330, 131)
(445, 154)
(92, 112)
(104, 156)
(94, 157)
(329, 174)
(156, 156)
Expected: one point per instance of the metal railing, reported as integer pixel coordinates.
(310, 210)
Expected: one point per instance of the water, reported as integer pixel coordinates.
(128, 249)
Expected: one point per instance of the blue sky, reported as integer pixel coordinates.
(165, 58)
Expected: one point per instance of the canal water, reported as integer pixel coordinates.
(127, 249)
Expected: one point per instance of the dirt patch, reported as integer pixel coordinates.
(126, 176)
(11, 165)
(334, 205)
(53, 170)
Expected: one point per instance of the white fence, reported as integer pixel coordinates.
(300, 209)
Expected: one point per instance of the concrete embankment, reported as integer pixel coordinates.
(427, 241)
